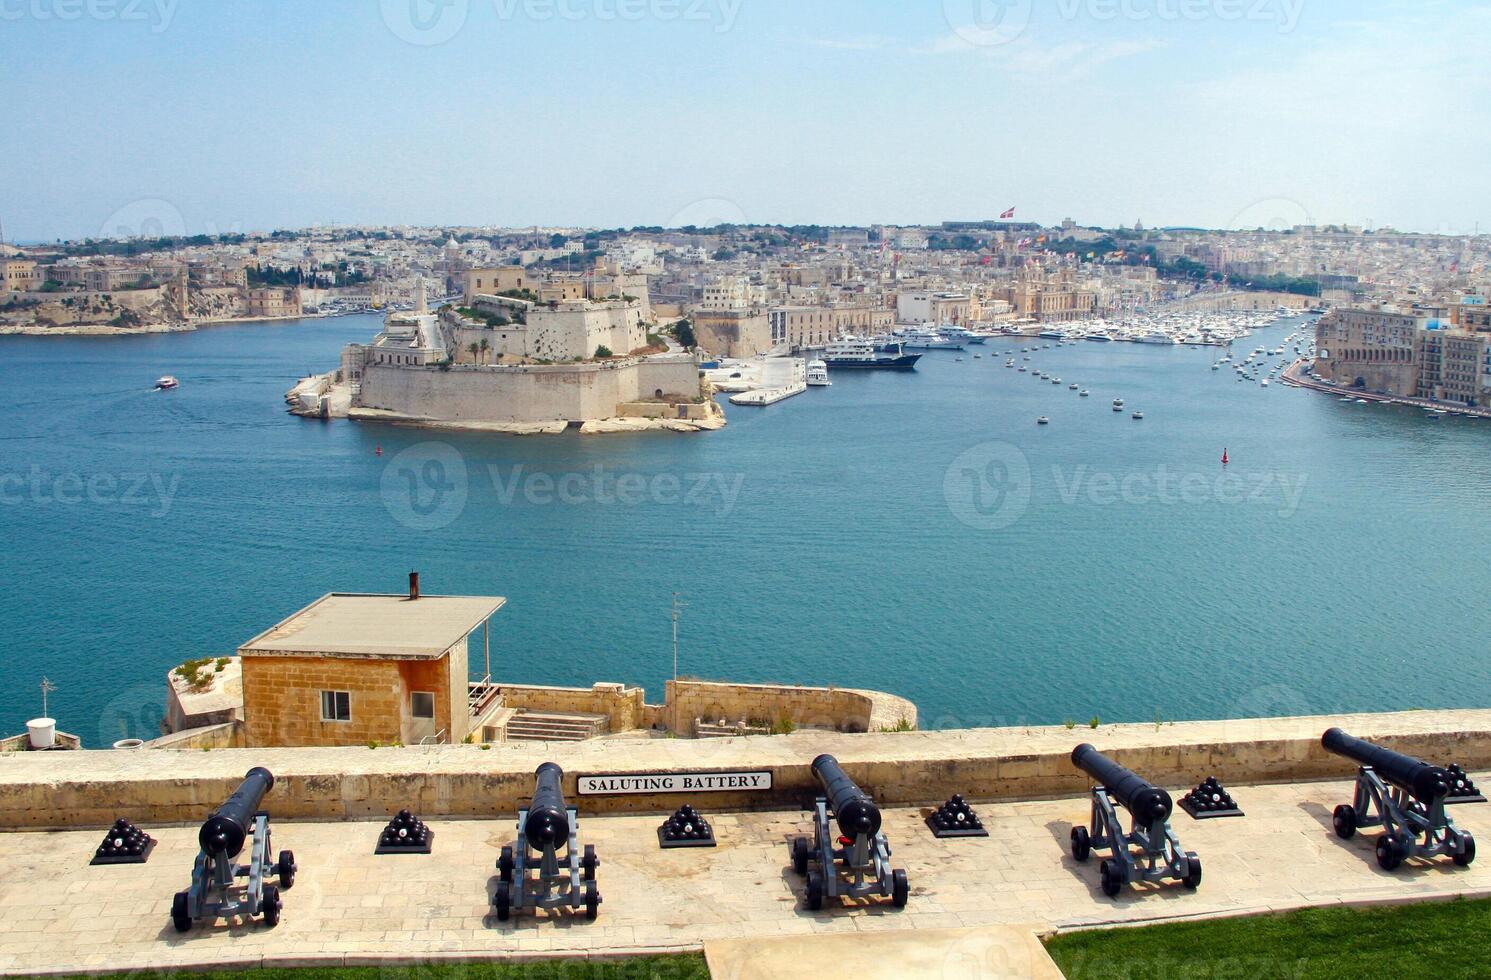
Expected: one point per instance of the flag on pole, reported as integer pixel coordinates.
(1007, 215)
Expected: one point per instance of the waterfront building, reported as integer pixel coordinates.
(920, 306)
(19, 275)
(274, 302)
(817, 326)
(1375, 349)
(733, 333)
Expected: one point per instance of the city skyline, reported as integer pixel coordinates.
(621, 113)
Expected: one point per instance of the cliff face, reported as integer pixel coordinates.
(124, 309)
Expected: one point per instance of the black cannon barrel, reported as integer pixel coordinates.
(1424, 781)
(548, 822)
(230, 825)
(853, 808)
(1146, 801)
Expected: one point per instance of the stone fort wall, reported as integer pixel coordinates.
(91, 788)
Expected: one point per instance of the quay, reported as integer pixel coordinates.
(1297, 376)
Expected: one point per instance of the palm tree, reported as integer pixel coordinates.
(474, 348)
(484, 348)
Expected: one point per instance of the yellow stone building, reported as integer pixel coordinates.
(352, 669)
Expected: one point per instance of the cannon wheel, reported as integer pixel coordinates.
(589, 863)
(270, 906)
(1390, 852)
(1111, 881)
(285, 868)
(800, 852)
(505, 864)
(1344, 821)
(592, 902)
(1468, 855)
(900, 888)
(180, 918)
(815, 891)
(1081, 844)
(503, 901)
(1192, 880)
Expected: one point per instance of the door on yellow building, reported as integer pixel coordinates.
(422, 717)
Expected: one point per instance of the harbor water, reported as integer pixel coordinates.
(912, 532)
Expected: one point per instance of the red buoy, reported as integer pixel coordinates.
(378, 451)
(1225, 460)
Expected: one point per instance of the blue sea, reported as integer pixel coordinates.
(917, 533)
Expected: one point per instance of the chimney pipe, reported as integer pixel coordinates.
(413, 585)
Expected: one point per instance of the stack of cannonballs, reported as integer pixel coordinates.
(405, 834)
(686, 829)
(1462, 790)
(124, 844)
(956, 818)
(1208, 800)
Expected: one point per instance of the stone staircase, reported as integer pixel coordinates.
(544, 726)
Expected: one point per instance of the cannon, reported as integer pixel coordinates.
(534, 874)
(856, 861)
(215, 891)
(1404, 796)
(1158, 856)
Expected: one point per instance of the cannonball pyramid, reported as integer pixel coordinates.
(1210, 800)
(685, 829)
(124, 844)
(955, 818)
(1462, 789)
(405, 834)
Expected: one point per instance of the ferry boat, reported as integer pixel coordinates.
(167, 383)
(861, 354)
(818, 375)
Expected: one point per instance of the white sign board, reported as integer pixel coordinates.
(633, 784)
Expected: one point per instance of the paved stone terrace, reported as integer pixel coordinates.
(58, 914)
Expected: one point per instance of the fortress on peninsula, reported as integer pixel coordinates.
(578, 352)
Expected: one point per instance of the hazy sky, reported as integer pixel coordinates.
(242, 115)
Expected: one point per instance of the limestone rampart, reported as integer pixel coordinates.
(92, 788)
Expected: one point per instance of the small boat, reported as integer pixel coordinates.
(1361, 401)
(818, 375)
(1085, 393)
(1138, 416)
(1042, 421)
(167, 383)
(1263, 383)
(1073, 387)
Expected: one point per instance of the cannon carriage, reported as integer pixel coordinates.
(546, 868)
(1406, 797)
(854, 863)
(216, 891)
(1149, 851)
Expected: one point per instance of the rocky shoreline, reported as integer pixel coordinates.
(104, 330)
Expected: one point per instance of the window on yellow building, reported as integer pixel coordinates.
(336, 706)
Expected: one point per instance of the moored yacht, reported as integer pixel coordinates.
(818, 375)
(851, 352)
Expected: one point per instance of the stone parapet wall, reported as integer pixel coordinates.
(838, 709)
(92, 788)
(623, 706)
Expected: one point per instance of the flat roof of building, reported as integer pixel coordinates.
(384, 627)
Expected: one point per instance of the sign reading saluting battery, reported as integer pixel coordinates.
(674, 782)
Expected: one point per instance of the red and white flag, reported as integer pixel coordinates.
(1007, 215)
